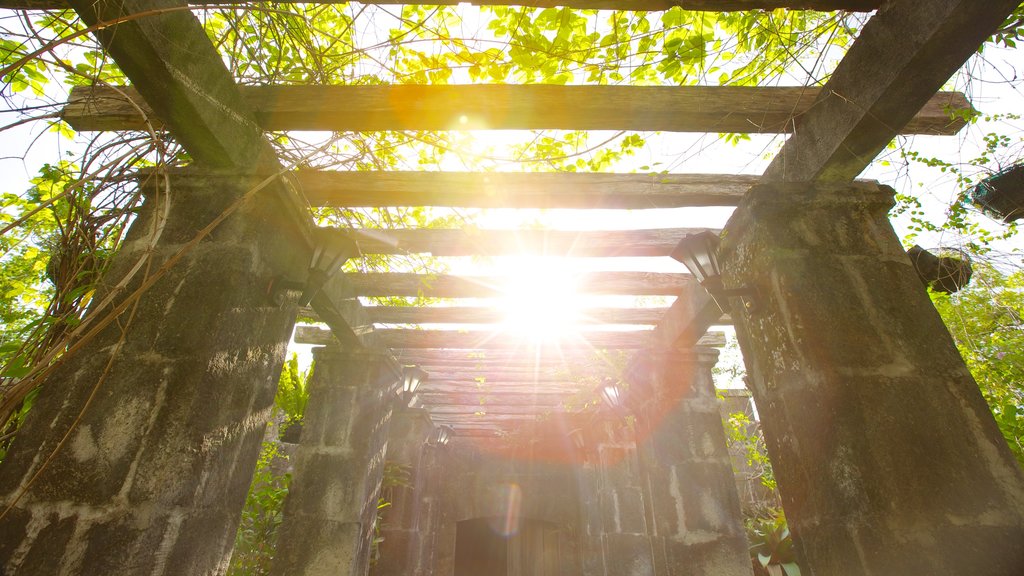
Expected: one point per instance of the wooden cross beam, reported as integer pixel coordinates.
(486, 340)
(510, 107)
(637, 5)
(444, 286)
(561, 243)
(515, 189)
(491, 315)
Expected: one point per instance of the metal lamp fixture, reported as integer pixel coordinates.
(412, 377)
(699, 253)
(577, 438)
(611, 393)
(331, 248)
(441, 435)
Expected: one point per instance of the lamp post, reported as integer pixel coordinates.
(331, 248)
(699, 253)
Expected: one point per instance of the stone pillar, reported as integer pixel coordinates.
(697, 526)
(400, 530)
(138, 452)
(430, 480)
(332, 500)
(590, 530)
(618, 494)
(887, 458)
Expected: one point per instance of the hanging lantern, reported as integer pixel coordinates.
(699, 253)
(578, 439)
(1001, 196)
(441, 435)
(412, 377)
(611, 393)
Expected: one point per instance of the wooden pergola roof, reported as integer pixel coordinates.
(483, 380)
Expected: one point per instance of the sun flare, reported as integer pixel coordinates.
(541, 300)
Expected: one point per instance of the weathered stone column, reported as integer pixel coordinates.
(697, 526)
(624, 526)
(401, 532)
(163, 411)
(886, 455)
(332, 501)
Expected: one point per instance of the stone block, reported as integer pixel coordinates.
(627, 555)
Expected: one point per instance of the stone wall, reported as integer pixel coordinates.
(138, 452)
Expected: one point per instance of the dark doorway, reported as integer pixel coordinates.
(483, 547)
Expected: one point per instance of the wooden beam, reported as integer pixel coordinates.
(573, 360)
(184, 83)
(595, 243)
(509, 107)
(444, 286)
(538, 401)
(489, 340)
(521, 189)
(490, 315)
(900, 58)
(686, 321)
(632, 5)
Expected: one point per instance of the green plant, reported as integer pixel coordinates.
(771, 546)
(986, 321)
(395, 475)
(263, 513)
(292, 392)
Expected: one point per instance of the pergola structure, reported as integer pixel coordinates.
(137, 460)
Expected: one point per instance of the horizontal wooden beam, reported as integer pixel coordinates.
(489, 340)
(487, 315)
(634, 5)
(521, 189)
(444, 286)
(769, 110)
(573, 360)
(468, 242)
(498, 410)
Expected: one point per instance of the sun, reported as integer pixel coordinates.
(540, 299)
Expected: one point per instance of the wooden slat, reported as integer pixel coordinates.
(497, 411)
(487, 340)
(503, 359)
(638, 5)
(470, 401)
(443, 286)
(510, 107)
(592, 243)
(521, 189)
(512, 189)
(490, 315)
(900, 58)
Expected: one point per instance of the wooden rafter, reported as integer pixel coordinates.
(521, 190)
(511, 107)
(602, 243)
(491, 315)
(637, 5)
(485, 340)
(443, 286)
